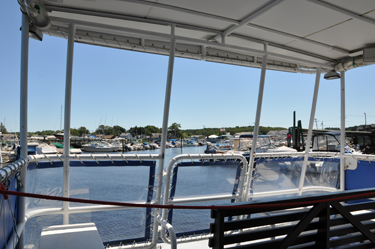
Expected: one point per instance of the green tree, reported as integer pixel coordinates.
(74, 132)
(118, 130)
(83, 130)
(3, 129)
(137, 130)
(151, 129)
(175, 129)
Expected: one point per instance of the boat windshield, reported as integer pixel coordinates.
(244, 144)
(326, 142)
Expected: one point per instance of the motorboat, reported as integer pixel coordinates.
(330, 141)
(153, 201)
(243, 145)
(100, 147)
(44, 148)
(60, 149)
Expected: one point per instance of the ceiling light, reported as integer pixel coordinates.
(332, 75)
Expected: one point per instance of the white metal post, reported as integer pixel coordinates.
(167, 101)
(23, 118)
(309, 133)
(67, 111)
(342, 137)
(257, 122)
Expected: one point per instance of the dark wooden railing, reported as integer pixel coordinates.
(325, 221)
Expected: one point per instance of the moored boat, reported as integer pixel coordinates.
(100, 147)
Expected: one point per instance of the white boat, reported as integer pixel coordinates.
(312, 36)
(154, 146)
(100, 147)
(243, 144)
(45, 148)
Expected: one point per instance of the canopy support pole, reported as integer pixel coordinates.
(67, 114)
(23, 119)
(257, 122)
(342, 137)
(309, 133)
(167, 101)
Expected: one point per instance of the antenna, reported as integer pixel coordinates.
(316, 123)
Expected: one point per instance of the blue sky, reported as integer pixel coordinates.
(119, 87)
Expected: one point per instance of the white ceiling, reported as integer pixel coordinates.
(201, 22)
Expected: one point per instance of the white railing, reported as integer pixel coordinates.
(350, 163)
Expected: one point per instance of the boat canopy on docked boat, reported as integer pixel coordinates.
(311, 36)
(243, 143)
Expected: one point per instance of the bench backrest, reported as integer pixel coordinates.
(308, 222)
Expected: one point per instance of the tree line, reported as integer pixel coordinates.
(174, 129)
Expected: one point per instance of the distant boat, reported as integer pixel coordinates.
(45, 148)
(100, 147)
(60, 149)
(59, 136)
(242, 145)
(31, 148)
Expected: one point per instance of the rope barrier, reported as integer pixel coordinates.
(137, 205)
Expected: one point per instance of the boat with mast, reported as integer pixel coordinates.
(291, 36)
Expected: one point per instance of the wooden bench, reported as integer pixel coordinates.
(74, 236)
(298, 224)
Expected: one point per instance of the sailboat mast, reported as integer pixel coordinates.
(61, 118)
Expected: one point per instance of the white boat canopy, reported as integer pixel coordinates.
(301, 34)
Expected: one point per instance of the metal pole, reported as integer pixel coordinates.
(342, 137)
(309, 133)
(23, 118)
(257, 122)
(167, 101)
(67, 111)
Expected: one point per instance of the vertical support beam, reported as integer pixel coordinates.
(342, 142)
(167, 101)
(23, 118)
(203, 53)
(67, 112)
(323, 235)
(309, 133)
(223, 36)
(257, 122)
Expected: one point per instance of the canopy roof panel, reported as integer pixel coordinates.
(301, 34)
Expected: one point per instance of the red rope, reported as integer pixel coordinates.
(124, 204)
(3, 188)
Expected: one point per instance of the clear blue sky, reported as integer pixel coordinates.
(119, 87)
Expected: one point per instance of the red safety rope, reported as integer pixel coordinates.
(3, 188)
(124, 204)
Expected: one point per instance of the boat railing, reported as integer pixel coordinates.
(245, 178)
(10, 179)
(197, 160)
(54, 162)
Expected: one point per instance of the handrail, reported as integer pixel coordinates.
(178, 158)
(172, 233)
(11, 170)
(87, 157)
(167, 180)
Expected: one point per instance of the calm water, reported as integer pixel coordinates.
(128, 184)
